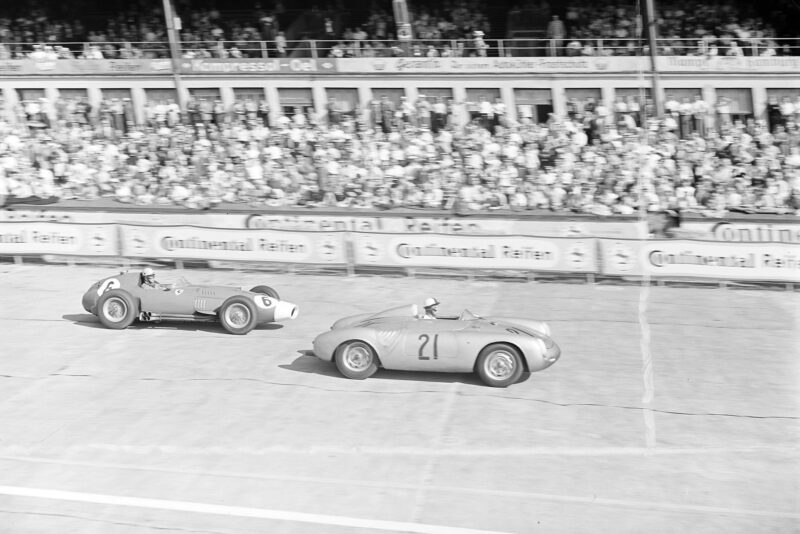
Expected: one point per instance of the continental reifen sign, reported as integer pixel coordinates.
(701, 259)
(192, 242)
(742, 231)
(475, 252)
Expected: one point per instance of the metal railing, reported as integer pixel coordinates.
(340, 49)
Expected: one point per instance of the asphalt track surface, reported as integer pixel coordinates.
(184, 428)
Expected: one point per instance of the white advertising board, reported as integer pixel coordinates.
(701, 259)
(475, 252)
(192, 242)
(427, 223)
(18, 238)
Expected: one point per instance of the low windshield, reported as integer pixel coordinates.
(181, 282)
(467, 315)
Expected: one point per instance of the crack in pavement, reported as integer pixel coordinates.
(459, 393)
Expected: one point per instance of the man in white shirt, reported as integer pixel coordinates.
(499, 110)
(724, 112)
(787, 109)
(699, 115)
(671, 105)
(439, 110)
(486, 112)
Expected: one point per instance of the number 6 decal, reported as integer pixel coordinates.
(425, 338)
(108, 285)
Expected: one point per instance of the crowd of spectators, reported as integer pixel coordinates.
(603, 27)
(453, 28)
(599, 159)
(139, 34)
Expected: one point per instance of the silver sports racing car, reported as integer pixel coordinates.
(498, 349)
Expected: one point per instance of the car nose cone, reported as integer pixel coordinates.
(285, 311)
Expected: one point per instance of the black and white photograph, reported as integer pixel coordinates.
(399, 267)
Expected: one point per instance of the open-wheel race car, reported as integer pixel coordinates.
(498, 349)
(121, 299)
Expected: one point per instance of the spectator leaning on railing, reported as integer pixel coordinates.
(730, 29)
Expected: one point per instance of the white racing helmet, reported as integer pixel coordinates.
(430, 302)
(147, 271)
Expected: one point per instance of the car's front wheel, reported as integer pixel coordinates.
(238, 315)
(266, 290)
(116, 309)
(499, 365)
(356, 360)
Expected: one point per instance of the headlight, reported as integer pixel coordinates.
(546, 329)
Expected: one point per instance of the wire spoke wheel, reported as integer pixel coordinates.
(115, 309)
(237, 315)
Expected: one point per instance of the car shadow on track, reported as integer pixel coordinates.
(308, 363)
(91, 321)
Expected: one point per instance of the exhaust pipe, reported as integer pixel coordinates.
(285, 311)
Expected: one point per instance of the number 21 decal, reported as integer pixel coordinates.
(425, 338)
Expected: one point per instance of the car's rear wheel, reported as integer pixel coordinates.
(356, 360)
(499, 365)
(116, 309)
(238, 315)
(266, 290)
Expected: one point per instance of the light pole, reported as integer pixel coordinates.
(652, 38)
(401, 18)
(173, 25)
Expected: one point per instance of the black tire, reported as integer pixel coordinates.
(499, 365)
(238, 315)
(356, 360)
(116, 309)
(266, 290)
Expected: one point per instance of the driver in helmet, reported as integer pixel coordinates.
(430, 308)
(148, 278)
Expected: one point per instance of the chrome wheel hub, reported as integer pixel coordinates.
(500, 365)
(358, 358)
(115, 309)
(237, 315)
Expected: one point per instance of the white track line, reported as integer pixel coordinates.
(237, 511)
(482, 491)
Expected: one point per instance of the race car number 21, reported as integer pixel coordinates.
(425, 338)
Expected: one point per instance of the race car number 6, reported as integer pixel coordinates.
(108, 285)
(425, 338)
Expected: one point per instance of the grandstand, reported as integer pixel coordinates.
(552, 108)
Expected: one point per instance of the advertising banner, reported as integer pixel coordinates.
(322, 221)
(475, 252)
(449, 224)
(695, 64)
(56, 238)
(784, 230)
(701, 259)
(58, 67)
(493, 65)
(192, 242)
(257, 66)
